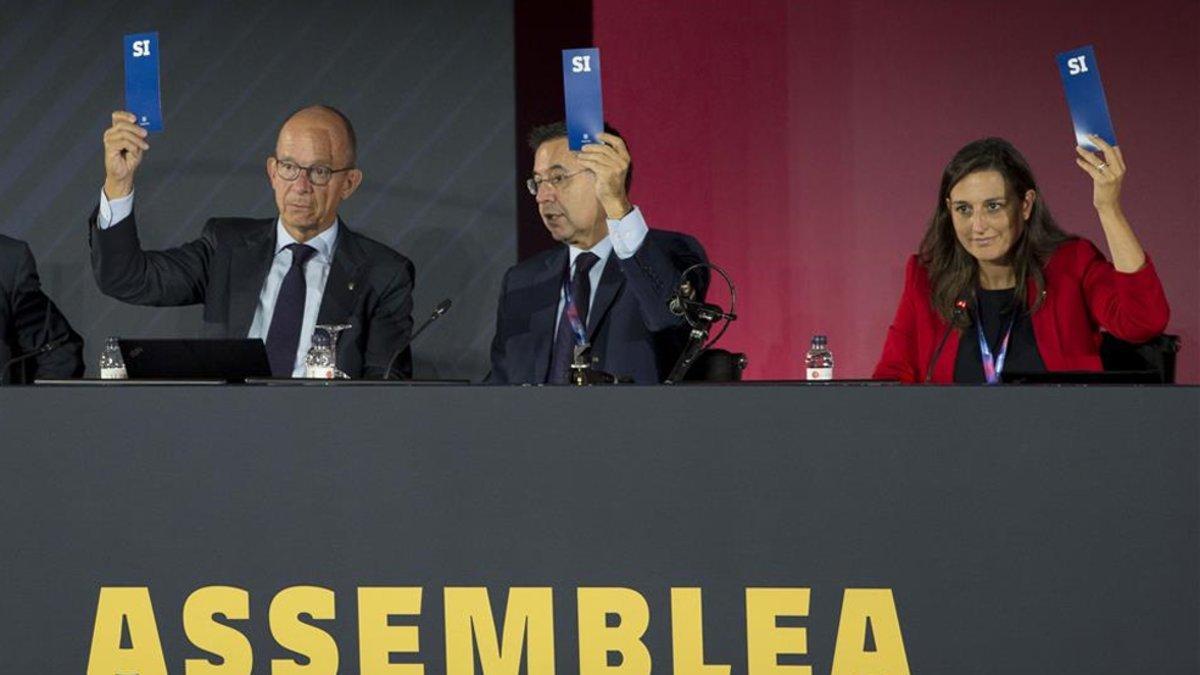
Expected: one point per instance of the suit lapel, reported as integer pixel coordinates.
(541, 322)
(249, 265)
(611, 281)
(343, 285)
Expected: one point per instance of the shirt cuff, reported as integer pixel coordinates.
(114, 211)
(628, 233)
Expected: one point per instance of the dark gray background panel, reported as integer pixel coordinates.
(1025, 530)
(428, 84)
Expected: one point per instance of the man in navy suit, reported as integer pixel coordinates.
(606, 289)
(270, 278)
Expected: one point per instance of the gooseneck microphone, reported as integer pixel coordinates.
(960, 306)
(683, 303)
(44, 349)
(47, 346)
(442, 308)
(681, 306)
(700, 317)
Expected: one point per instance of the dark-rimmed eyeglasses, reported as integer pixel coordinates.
(556, 181)
(317, 175)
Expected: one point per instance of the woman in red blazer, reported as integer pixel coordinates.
(998, 285)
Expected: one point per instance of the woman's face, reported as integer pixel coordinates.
(987, 217)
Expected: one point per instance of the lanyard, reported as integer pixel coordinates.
(992, 367)
(572, 312)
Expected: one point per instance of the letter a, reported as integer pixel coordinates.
(131, 606)
(849, 653)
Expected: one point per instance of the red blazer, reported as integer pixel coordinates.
(1083, 293)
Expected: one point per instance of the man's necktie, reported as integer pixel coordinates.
(283, 337)
(564, 342)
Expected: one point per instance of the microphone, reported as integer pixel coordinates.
(684, 292)
(680, 306)
(683, 302)
(442, 308)
(48, 345)
(44, 349)
(960, 306)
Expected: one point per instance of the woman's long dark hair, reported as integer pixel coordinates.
(953, 272)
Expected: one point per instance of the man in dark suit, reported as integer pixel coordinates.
(273, 278)
(606, 288)
(30, 322)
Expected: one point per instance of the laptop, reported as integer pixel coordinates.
(173, 359)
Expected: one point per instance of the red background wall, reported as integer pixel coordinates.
(802, 142)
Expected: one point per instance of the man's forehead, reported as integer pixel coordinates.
(554, 154)
(320, 142)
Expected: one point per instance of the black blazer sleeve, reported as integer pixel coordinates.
(175, 276)
(390, 324)
(35, 321)
(499, 373)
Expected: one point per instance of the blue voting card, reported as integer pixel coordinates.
(142, 97)
(581, 88)
(1085, 96)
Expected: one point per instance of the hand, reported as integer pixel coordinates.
(609, 161)
(1106, 173)
(124, 143)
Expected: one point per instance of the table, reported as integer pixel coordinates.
(1038, 529)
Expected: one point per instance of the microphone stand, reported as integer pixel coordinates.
(960, 306)
(582, 374)
(701, 317)
(44, 349)
(442, 308)
(697, 338)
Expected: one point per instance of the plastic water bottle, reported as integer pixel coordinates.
(112, 364)
(818, 362)
(319, 362)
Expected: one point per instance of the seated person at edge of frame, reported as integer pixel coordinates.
(609, 283)
(1006, 289)
(270, 278)
(30, 322)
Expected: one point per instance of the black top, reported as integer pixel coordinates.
(996, 309)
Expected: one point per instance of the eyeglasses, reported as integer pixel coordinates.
(555, 180)
(317, 175)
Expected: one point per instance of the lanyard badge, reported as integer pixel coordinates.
(992, 367)
(572, 312)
